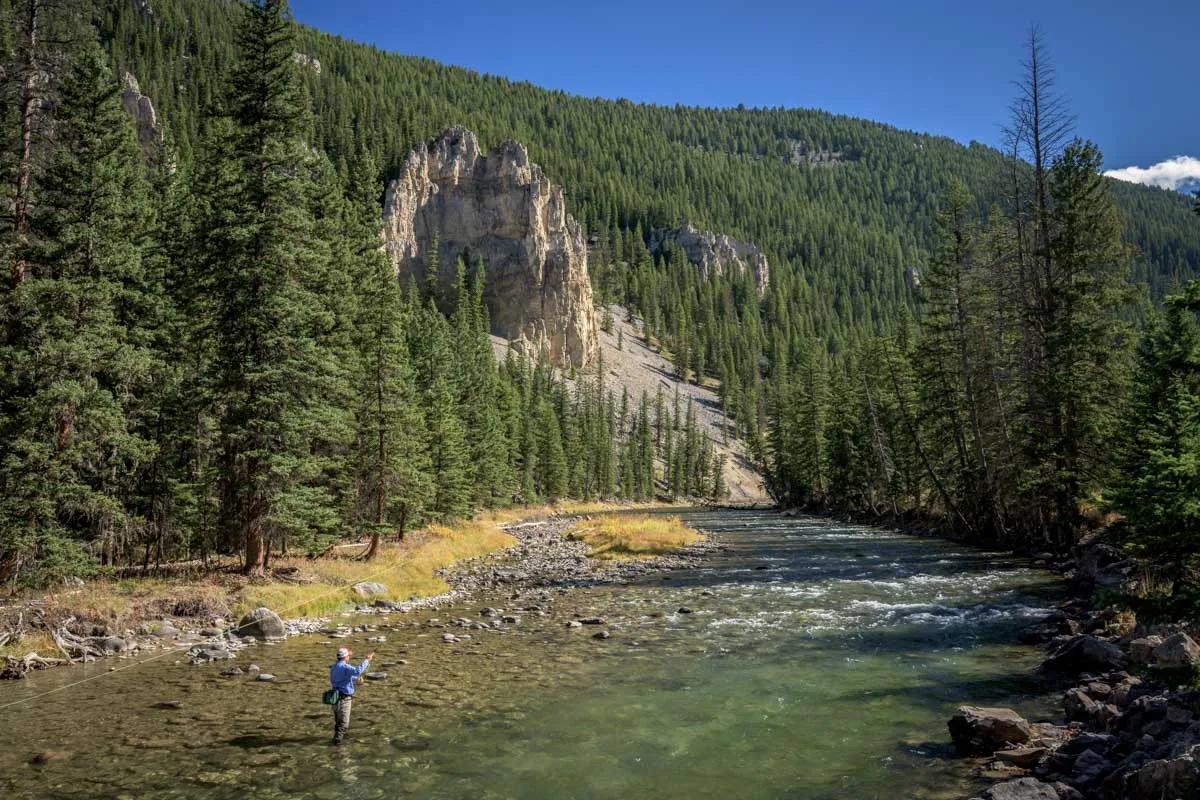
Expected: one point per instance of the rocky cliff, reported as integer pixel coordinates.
(138, 106)
(717, 253)
(503, 208)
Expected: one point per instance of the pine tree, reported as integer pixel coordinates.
(76, 355)
(1157, 480)
(491, 478)
(390, 453)
(430, 340)
(272, 375)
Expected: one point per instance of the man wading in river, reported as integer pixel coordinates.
(342, 676)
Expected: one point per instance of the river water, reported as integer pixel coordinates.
(821, 660)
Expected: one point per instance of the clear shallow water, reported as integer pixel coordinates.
(821, 661)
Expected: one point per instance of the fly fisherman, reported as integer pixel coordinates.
(342, 676)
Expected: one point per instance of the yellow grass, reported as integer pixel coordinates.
(37, 641)
(633, 535)
(324, 585)
(406, 570)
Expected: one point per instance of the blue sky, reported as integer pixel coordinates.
(1128, 68)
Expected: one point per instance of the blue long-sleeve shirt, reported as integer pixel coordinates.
(343, 673)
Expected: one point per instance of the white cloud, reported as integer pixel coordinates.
(1173, 173)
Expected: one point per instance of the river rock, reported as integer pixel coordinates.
(1141, 651)
(232, 672)
(169, 704)
(203, 655)
(1085, 653)
(369, 589)
(601, 635)
(683, 610)
(253, 669)
(592, 621)
(1173, 778)
(1021, 789)
(449, 638)
(265, 677)
(165, 631)
(1177, 652)
(1024, 757)
(262, 623)
(47, 756)
(376, 676)
(1080, 706)
(114, 644)
(981, 731)
(574, 623)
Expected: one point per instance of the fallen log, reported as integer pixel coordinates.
(17, 668)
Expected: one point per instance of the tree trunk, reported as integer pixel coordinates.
(253, 528)
(29, 110)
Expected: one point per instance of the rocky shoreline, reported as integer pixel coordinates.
(1130, 728)
(543, 559)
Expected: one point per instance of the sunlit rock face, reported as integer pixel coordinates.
(499, 207)
(717, 253)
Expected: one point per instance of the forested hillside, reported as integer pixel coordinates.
(838, 232)
(205, 351)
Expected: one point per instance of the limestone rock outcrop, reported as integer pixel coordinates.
(138, 106)
(502, 208)
(307, 61)
(717, 253)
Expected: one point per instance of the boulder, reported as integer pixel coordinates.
(1165, 779)
(1021, 789)
(261, 623)
(114, 644)
(1085, 653)
(1079, 706)
(369, 589)
(165, 631)
(501, 208)
(981, 731)
(1141, 651)
(1176, 652)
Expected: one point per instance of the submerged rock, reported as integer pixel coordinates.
(1083, 653)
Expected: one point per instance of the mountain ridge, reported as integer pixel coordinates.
(838, 235)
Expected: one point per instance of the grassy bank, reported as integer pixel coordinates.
(299, 586)
(633, 535)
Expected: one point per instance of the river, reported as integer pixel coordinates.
(820, 660)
